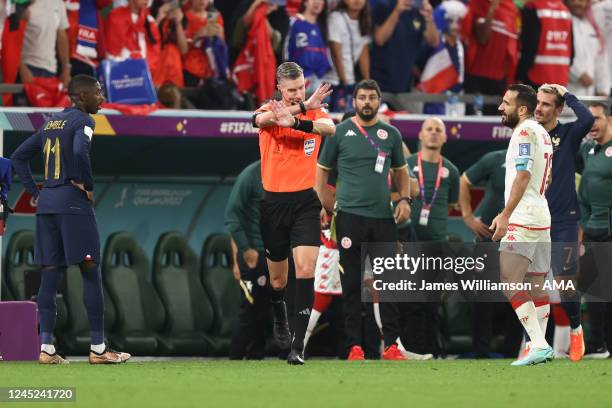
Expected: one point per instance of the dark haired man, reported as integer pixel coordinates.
(364, 150)
(524, 224)
(66, 228)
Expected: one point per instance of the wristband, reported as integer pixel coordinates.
(302, 107)
(303, 125)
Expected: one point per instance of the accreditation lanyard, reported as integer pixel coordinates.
(425, 208)
(380, 158)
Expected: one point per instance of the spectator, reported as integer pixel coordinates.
(172, 24)
(590, 70)
(85, 33)
(602, 11)
(444, 68)
(491, 35)
(251, 71)
(243, 18)
(11, 39)
(399, 30)
(546, 43)
(204, 25)
(349, 28)
(131, 32)
(306, 43)
(44, 34)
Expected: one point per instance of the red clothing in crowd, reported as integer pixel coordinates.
(552, 60)
(125, 32)
(10, 55)
(195, 60)
(72, 9)
(170, 67)
(252, 68)
(498, 58)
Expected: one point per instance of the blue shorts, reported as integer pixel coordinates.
(564, 237)
(66, 239)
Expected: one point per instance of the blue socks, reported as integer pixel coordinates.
(572, 309)
(50, 281)
(93, 297)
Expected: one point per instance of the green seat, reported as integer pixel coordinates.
(23, 276)
(140, 314)
(6, 294)
(189, 314)
(221, 287)
(75, 337)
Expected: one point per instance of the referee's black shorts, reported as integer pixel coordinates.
(289, 220)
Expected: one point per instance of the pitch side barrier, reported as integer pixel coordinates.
(235, 124)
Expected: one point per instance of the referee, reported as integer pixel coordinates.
(364, 149)
(290, 133)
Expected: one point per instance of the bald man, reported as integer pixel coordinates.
(438, 181)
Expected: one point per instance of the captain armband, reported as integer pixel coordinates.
(523, 163)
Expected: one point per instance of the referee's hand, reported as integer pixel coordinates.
(316, 99)
(402, 212)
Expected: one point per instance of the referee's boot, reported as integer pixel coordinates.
(108, 356)
(282, 336)
(296, 357)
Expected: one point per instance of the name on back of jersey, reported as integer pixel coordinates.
(55, 124)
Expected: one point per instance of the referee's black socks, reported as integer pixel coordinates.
(277, 297)
(304, 297)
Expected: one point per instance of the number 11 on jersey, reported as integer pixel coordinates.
(47, 149)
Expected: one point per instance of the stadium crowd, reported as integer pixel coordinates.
(202, 53)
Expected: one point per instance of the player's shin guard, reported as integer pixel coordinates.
(93, 298)
(542, 306)
(304, 294)
(50, 280)
(571, 305)
(526, 312)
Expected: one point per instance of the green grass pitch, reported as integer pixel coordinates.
(321, 384)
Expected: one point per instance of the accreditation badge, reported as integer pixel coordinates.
(424, 216)
(380, 162)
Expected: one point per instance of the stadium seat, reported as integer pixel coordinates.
(139, 311)
(189, 314)
(75, 338)
(6, 294)
(220, 285)
(23, 276)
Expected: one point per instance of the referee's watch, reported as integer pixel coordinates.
(302, 107)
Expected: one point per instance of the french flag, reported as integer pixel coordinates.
(439, 74)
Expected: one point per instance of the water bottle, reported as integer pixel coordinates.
(478, 104)
(452, 108)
